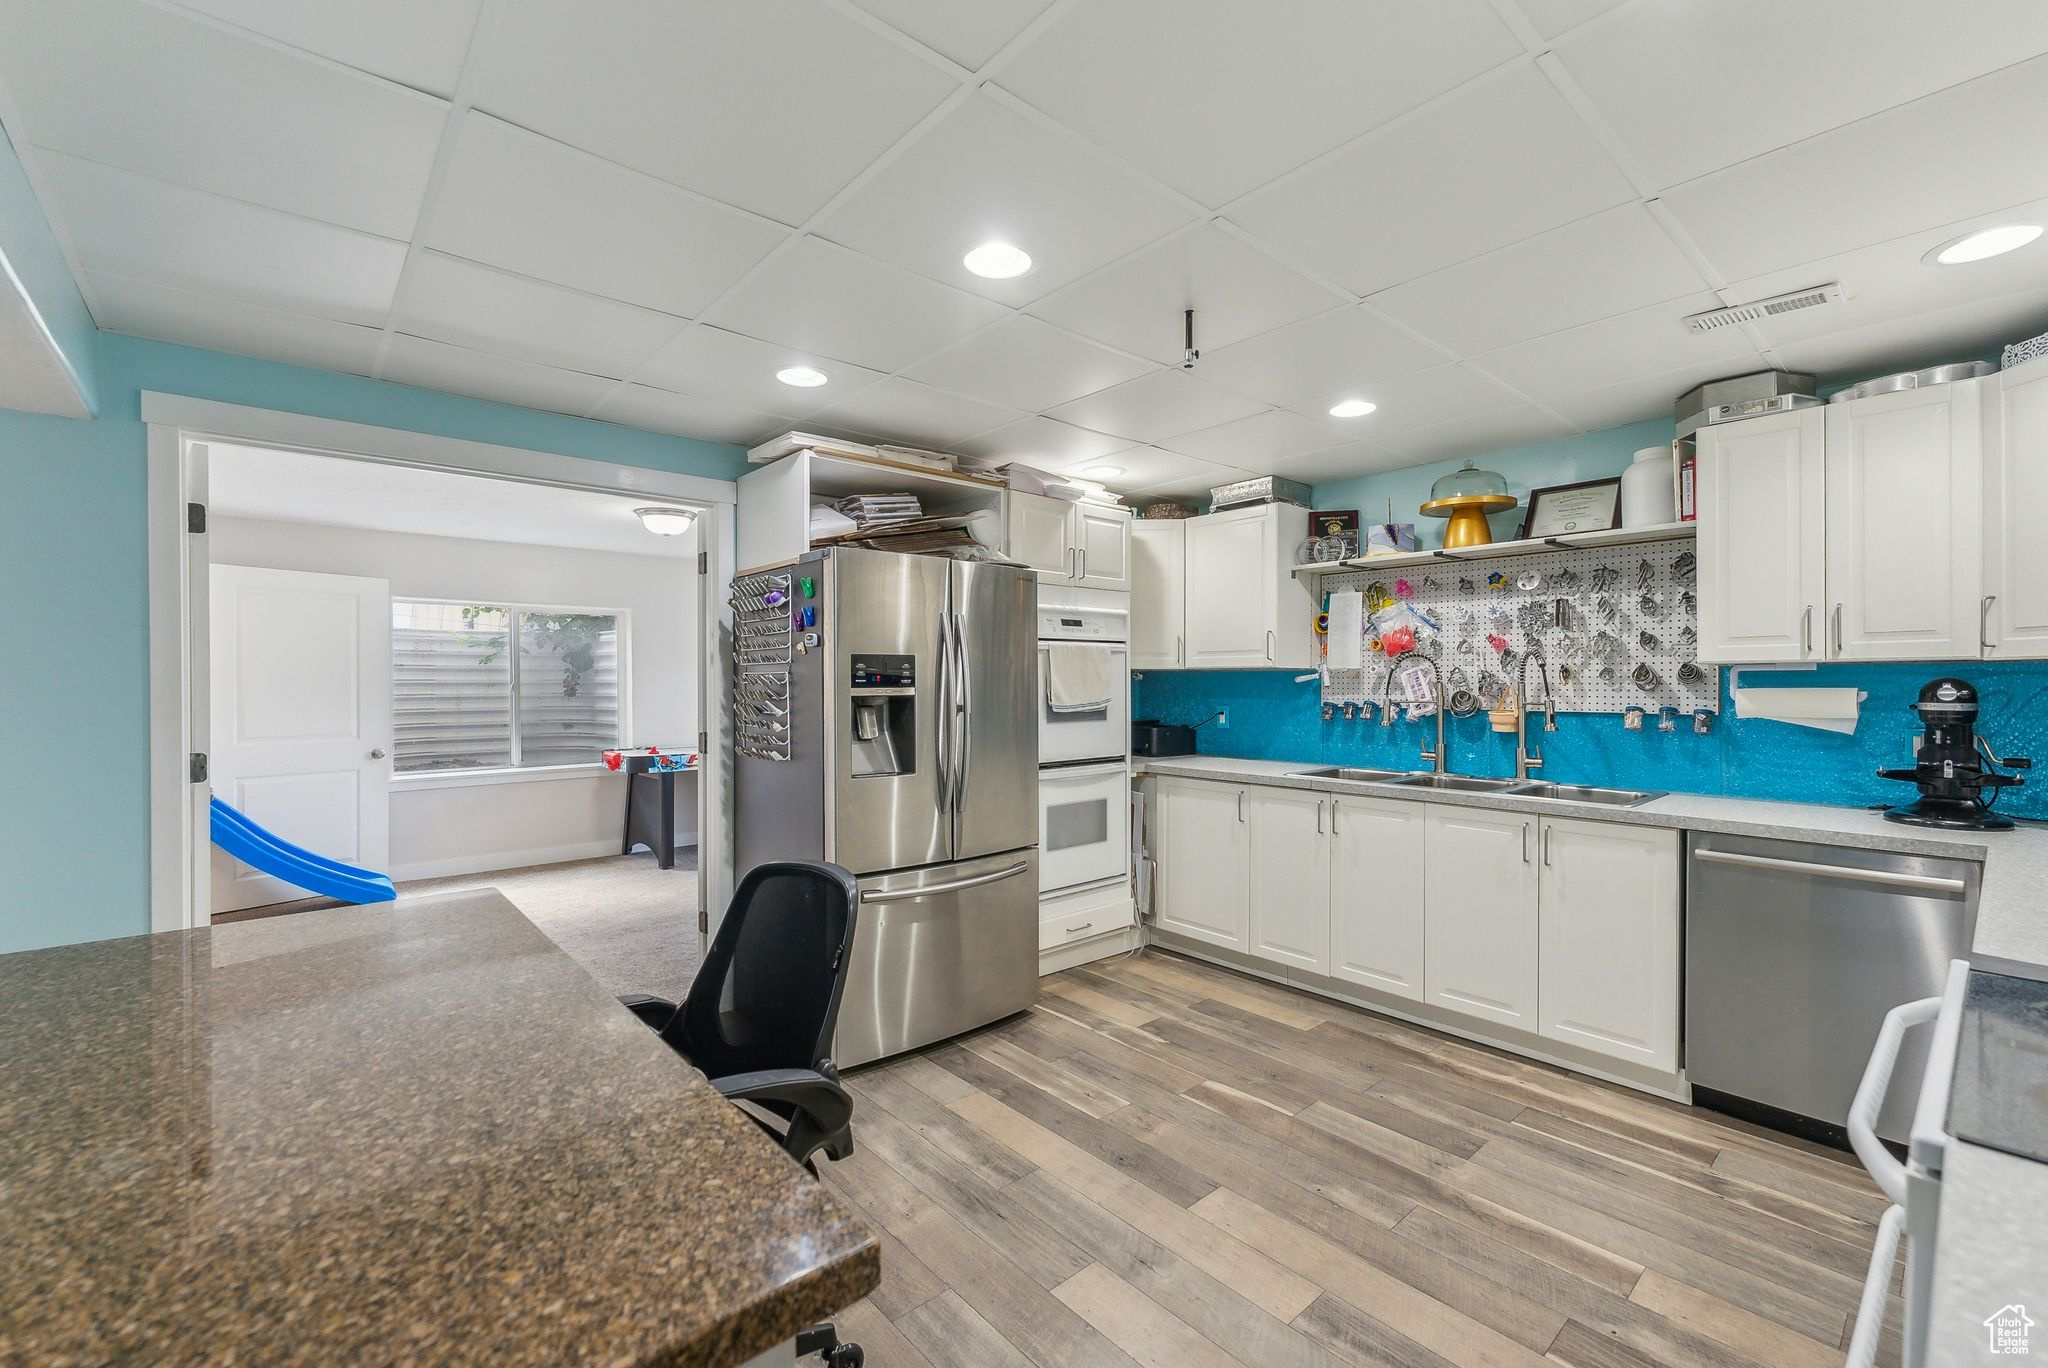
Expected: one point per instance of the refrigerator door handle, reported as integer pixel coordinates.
(964, 749)
(943, 731)
(882, 895)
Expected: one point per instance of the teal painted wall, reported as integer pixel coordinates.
(74, 693)
(29, 253)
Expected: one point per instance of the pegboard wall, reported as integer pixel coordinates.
(1617, 625)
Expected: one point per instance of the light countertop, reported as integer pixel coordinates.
(416, 1132)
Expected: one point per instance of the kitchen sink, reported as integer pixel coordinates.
(1457, 783)
(1582, 793)
(1340, 772)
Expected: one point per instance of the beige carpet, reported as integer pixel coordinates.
(632, 924)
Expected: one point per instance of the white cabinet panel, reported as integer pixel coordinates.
(1201, 847)
(1377, 877)
(1609, 939)
(2015, 611)
(1762, 557)
(1040, 534)
(1480, 900)
(1102, 535)
(1289, 917)
(1159, 594)
(1227, 619)
(1904, 513)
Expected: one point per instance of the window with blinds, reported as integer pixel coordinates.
(501, 686)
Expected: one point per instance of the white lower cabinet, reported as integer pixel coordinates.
(1608, 951)
(1376, 894)
(1480, 911)
(1201, 856)
(1289, 907)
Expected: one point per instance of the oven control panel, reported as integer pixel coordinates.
(1083, 624)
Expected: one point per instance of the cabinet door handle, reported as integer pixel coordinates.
(1080, 562)
(1179, 653)
(1838, 629)
(1546, 847)
(1077, 930)
(1333, 816)
(1806, 631)
(1240, 806)
(1269, 643)
(1319, 819)
(1525, 843)
(1984, 622)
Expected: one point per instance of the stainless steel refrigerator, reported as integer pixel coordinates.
(912, 744)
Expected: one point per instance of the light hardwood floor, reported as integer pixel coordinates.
(1165, 1163)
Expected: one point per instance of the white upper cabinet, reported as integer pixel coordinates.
(1904, 517)
(1480, 905)
(1289, 905)
(1609, 939)
(1244, 606)
(1159, 594)
(1377, 873)
(2015, 606)
(1068, 542)
(1762, 548)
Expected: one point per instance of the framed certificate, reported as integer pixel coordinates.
(1559, 511)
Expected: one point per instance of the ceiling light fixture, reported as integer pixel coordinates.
(1982, 243)
(803, 377)
(1352, 408)
(1103, 472)
(666, 522)
(998, 261)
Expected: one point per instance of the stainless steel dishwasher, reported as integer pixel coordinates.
(1793, 954)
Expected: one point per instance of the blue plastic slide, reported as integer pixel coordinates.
(258, 849)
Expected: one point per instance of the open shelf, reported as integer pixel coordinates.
(1620, 536)
(835, 477)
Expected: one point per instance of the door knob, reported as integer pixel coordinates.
(377, 754)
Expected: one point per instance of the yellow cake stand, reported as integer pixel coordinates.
(1467, 512)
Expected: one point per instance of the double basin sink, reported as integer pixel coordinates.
(1469, 783)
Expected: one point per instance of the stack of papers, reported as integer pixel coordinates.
(870, 511)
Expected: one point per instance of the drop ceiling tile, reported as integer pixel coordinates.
(1344, 347)
(473, 306)
(1156, 406)
(732, 369)
(827, 300)
(1780, 72)
(1256, 443)
(1963, 152)
(1144, 467)
(1642, 342)
(772, 105)
(144, 309)
(1346, 462)
(420, 43)
(529, 204)
(1479, 433)
(1553, 17)
(1027, 365)
(1216, 97)
(1411, 401)
(138, 87)
(130, 225)
(987, 173)
(427, 364)
(1139, 304)
(1596, 268)
(1043, 442)
(1961, 332)
(968, 34)
(1637, 400)
(685, 415)
(1193, 487)
(1497, 161)
(899, 410)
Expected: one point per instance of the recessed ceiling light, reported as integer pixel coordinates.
(1352, 408)
(998, 261)
(1984, 242)
(803, 377)
(1103, 472)
(666, 522)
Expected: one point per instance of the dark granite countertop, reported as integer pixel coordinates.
(411, 1134)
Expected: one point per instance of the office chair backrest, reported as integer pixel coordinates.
(768, 994)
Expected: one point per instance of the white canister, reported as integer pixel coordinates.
(1648, 496)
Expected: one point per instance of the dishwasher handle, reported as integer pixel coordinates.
(1923, 883)
(1877, 1080)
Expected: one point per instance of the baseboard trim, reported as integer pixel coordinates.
(493, 861)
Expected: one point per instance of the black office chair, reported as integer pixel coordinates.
(758, 1020)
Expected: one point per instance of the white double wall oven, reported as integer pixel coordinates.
(1084, 756)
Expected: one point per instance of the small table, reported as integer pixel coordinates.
(651, 798)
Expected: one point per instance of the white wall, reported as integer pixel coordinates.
(454, 824)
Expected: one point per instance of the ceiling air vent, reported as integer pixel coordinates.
(1712, 319)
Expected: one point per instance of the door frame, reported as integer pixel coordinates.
(180, 428)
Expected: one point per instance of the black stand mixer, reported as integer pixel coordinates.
(1950, 764)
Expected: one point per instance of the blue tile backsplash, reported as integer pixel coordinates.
(1274, 718)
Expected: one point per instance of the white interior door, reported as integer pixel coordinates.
(301, 705)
